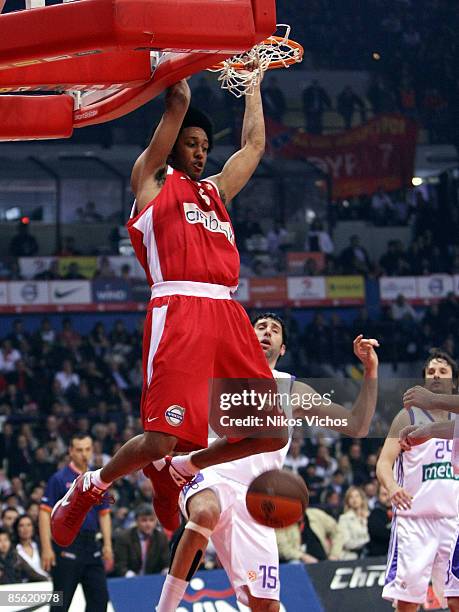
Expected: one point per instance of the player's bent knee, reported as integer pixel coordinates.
(206, 516)
(157, 445)
(204, 509)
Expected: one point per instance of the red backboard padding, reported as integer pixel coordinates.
(80, 45)
(36, 117)
(113, 25)
(130, 68)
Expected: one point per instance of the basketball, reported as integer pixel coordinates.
(277, 498)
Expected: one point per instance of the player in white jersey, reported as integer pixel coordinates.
(422, 397)
(215, 503)
(425, 493)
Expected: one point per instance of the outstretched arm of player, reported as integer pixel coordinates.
(425, 399)
(389, 453)
(148, 174)
(239, 168)
(358, 419)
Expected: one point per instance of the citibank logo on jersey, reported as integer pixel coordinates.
(193, 214)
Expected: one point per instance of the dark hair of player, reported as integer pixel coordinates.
(436, 353)
(196, 118)
(274, 317)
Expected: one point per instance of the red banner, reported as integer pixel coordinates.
(379, 153)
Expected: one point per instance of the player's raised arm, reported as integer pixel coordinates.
(384, 467)
(148, 174)
(355, 422)
(239, 168)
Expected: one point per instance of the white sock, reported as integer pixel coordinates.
(184, 465)
(98, 482)
(171, 594)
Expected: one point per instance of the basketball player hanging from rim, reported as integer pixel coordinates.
(194, 331)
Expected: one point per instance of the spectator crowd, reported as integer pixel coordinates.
(410, 49)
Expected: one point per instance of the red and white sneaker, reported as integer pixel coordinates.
(69, 512)
(167, 483)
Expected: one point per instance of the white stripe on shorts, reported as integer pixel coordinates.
(158, 321)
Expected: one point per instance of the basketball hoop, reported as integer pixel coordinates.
(274, 52)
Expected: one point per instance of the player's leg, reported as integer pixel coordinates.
(223, 451)
(136, 454)
(249, 554)
(453, 603)
(88, 489)
(444, 582)
(204, 513)
(257, 604)
(412, 552)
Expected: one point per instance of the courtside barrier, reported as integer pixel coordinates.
(210, 591)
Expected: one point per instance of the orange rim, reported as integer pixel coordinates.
(276, 64)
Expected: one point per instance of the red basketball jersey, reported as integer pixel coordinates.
(185, 234)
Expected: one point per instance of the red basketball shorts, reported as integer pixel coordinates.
(189, 340)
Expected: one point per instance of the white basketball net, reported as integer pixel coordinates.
(242, 82)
